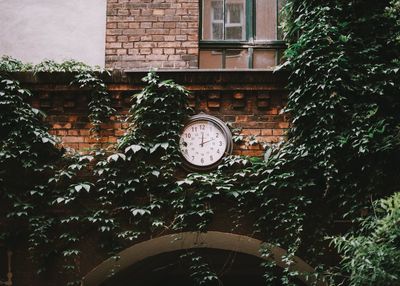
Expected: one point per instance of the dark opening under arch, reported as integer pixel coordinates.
(155, 254)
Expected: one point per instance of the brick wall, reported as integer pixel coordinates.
(152, 33)
(249, 101)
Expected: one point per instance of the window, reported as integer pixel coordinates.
(226, 20)
(240, 34)
(230, 28)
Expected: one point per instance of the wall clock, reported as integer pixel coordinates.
(205, 141)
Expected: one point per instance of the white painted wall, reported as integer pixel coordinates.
(34, 30)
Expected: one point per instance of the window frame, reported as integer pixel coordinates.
(250, 43)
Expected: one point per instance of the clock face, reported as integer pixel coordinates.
(204, 142)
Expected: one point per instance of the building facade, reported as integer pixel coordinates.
(129, 35)
(190, 34)
(222, 51)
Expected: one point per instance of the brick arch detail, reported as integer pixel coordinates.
(191, 240)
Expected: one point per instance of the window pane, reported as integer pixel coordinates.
(217, 20)
(234, 33)
(235, 20)
(217, 31)
(211, 59)
(217, 10)
(224, 23)
(266, 20)
(234, 13)
(236, 59)
(263, 59)
(213, 20)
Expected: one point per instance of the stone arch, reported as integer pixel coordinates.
(189, 240)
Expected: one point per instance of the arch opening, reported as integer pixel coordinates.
(155, 260)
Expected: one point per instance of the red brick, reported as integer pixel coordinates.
(133, 25)
(251, 132)
(146, 24)
(72, 139)
(73, 132)
(122, 51)
(266, 132)
(279, 132)
(119, 132)
(283, 124)
(273, 139)
(252, 153)
(158, 25)
(123, 25)
(167, 24)
(84, 132)
(169, 51)
(242, 118)
(60, 132)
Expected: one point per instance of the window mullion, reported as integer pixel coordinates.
(253, 21)
(250, 55)
(249, 20)
(224, 17)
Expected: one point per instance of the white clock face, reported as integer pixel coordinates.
(202, 143)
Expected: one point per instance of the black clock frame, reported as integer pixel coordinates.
(226, 134)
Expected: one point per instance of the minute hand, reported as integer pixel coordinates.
(208, 141)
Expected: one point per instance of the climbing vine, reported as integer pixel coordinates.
(370, 254)
(344, 106)
(85, 77)
(341, 153)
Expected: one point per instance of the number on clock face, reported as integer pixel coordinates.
(202, 143)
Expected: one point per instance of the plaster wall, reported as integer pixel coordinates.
(34, 30)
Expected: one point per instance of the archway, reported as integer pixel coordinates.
(185, 241)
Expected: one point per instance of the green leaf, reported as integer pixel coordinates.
(155, 173)
(140, 212)
(116, 157)
(133, 148)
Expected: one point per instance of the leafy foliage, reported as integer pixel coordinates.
(200, 271)
(370, 255)
(342, 152)
(27, 149)
(135, 183)
(27, 155)
(85, 76)
(344, 142)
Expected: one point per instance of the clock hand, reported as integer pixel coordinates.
(202, 139)
(208, 141)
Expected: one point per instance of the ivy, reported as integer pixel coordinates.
(344, 83)
(199, 269)
(27, 155)
(341, 152)
(85, 77)
(370, 254)
(135, 183)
